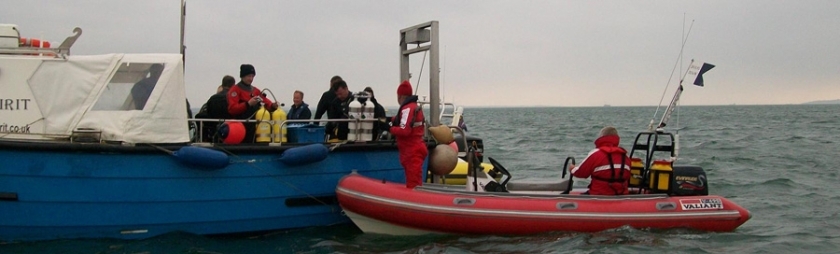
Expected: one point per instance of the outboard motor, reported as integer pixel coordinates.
(689, 181)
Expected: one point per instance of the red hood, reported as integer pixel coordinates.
(607, 141)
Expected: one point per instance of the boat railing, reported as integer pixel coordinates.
(449, 111)
(61, 51)
(647, 146)
(441, 188)
(283, 124)
(463, 139)
(47, 137)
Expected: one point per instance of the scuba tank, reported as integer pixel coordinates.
(354, 132)
(279, 116)
(359, 109)
(636, 169)
(263, 132)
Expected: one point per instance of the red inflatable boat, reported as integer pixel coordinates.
(664, 196)
(391, 208)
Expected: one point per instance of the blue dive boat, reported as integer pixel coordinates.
(85, 156)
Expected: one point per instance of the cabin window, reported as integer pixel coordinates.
(130, 87)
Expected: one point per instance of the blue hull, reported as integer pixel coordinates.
(140, 192)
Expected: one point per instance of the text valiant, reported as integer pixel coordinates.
(701, 204)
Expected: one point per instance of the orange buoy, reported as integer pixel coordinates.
(232, 132)
(33, 42)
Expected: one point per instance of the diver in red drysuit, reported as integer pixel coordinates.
(408, 128)
(608, 165)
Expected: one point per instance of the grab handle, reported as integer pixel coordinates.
(565, 167)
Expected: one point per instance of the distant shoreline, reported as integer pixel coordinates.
(823, 102)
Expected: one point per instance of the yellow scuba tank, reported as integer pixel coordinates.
(660, 175)
(279, 116)
(636, 168)
(263, 132)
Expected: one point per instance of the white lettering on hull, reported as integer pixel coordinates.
(701, 204)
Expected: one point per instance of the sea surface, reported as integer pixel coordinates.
(781, 162)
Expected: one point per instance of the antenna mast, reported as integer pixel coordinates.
(183, 20)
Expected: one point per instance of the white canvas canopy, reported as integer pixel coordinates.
(131, 98)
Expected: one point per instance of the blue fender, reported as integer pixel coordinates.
(202, 157)
(304, 154)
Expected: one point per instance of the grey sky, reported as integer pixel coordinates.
(495, 53)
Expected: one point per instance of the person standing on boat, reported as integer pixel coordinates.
(299, 110)
(215, 108)
(408, 128)
(324, 104)
(340, 109)
(378, 113)
(244, 100)
(608, 165)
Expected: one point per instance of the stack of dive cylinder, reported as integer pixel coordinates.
(362, 111)
(268, 125)
(659, 175)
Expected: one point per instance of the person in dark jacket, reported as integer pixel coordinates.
(608, 165)
(299, 110)
(379, 114)
(340, 109)
(324, 104)
(215, 108)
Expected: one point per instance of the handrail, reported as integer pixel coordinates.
(283, 124)
(31, 50)
(61, 51)
(443, 110)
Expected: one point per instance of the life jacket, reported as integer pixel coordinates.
(617, 181)
(417, 111)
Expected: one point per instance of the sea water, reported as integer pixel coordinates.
(780, 162)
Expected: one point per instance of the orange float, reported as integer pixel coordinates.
(33, 42)
(232, 132)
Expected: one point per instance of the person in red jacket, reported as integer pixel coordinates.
(608, 165)
(408, 127)
(244, 100)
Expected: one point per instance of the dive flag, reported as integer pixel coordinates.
(697, 69)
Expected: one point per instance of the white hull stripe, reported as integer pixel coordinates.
(521, 213)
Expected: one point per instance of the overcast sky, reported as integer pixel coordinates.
(495, 53)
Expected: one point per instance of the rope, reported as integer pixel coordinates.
(422, 64)
(161, 148)
(336, 145)
(251, 163)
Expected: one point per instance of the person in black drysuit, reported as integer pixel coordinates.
(324, 105)
(215, 108)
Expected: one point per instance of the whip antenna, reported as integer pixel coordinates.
(679, 59)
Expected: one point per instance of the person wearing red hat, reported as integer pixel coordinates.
(608, 165)
(244, 100)
(408, 127)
